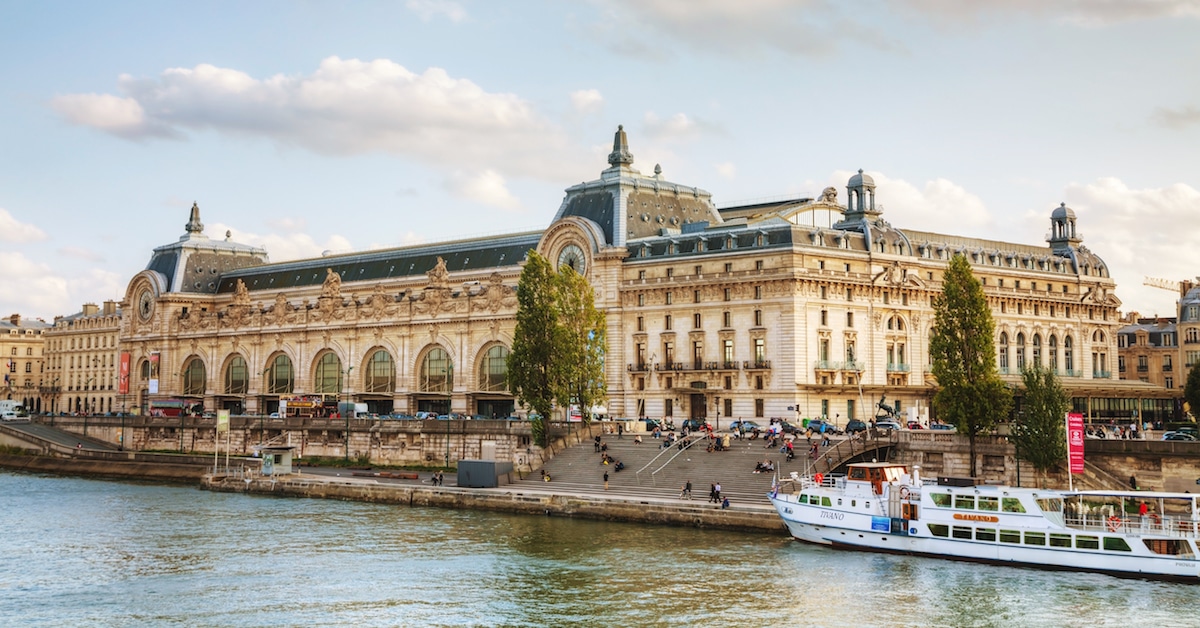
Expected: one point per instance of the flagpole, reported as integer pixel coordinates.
(1070, 473)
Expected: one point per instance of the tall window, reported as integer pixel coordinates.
(193, 378)
(1068, 355)
(1037, 350)
(1002, 358)
(237, 377)
(280, 376)
(381, 373)
(328, 378)
(696, 321)
(760, 350)
(494, 369)
(727, 351)
(436, 371)
(1020, 351)
(1052, 358)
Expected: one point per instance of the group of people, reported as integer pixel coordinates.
(766, 466)
(715, 496)
(438, 480)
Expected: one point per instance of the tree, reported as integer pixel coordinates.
(558, 345)
(971, 394)
(1040, 432)
(579, 371)
(1191, 390)
(530, 363)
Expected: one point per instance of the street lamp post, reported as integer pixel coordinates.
(449, 405)
(347, 416)
(86, 405)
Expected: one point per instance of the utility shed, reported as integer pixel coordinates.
(482, 473)
(276, 460)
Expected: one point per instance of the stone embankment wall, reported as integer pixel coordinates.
(507, 500)
(189, 473)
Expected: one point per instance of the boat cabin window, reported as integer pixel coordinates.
(853, 503)
(964, 502)
(1010, 536)
(939, 529)
(1050, 504)
(941, 500)
(1012, 504)
(1035, 538)
(1116, 544)
(989, 503)
(824, 501)
(985, 534)
(962, 532)
(1170, 547)
(858, 473)
(803, 498)
(1060, 540)
(1087, 542)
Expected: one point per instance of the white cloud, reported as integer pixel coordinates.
(78, 252)
(679, 127)
(1176, 118)
(35, 290)
(587, 101)
(288, 224)
(939, 206)
(1140, 233)
(13, 230)
(345, 107)
(287, 246)
(727, 170)
(1088, 13)
(429, 9)
(487, 187)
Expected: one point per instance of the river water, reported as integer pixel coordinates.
(85, 552)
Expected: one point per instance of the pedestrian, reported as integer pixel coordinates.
(712, 493)
(724, 503)
(717, 491)
(620, 431)
(1133, 483)
(606, 480)
(597, 442)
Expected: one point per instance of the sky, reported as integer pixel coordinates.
(308, 126)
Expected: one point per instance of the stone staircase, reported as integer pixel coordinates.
(651, 471)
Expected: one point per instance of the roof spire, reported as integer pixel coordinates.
(620, 155)
(194, 225)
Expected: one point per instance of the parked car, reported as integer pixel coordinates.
(746, 426)
(652, 423)
(915, 425)
(788, 428)
(887, 425)
(819, 426)
(694, 424)
(942, 426)
(1179, 436)
(855, 426)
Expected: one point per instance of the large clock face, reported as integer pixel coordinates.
(571, 255)
(145, 304)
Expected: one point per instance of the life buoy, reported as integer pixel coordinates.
(1156, 518)
(903, 492)
(1114, 523)
(819, 478)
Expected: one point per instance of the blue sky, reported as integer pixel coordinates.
(312, 126)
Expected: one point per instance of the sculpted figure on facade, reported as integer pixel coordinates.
(438, 276)
(495, 295)
(381, 302)
(241, 295)
(829, 195)
(283, 312)
(332, 287)
(436, 297)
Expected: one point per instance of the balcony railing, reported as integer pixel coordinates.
(897, 368)
(1142, 368)
(1167, 368)
(1101, 374)
(638, 368)
(827, 365)
(851, 365)
(756, 365)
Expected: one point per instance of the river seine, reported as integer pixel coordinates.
(83, 552)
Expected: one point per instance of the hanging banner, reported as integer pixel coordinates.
(222, 420)
(1075, 442)
(154, 373)
(123, 379)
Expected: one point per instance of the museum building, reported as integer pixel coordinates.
(801, 307)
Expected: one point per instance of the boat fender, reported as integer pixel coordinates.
(903, 492)
(1114, 523)
(819, 478)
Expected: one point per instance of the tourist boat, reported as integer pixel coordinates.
(882, 507)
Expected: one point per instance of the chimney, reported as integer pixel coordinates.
(90, 309)
(110, 308)
(15, 319)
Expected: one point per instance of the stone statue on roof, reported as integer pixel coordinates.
(333, 284)
(241, 295)
(439, 277)
(829, 195)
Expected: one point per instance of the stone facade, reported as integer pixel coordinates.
(82, 361)
(797, 308)
(22, 356)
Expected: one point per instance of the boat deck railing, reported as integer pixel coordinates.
(1182, 527)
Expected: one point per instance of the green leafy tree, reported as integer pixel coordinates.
(579, 363)
(558, 345)
(531, 360)
(971, 394)
(1191, 390)
(1040, 432)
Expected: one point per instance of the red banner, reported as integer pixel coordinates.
(123, 379)
(1075, 442)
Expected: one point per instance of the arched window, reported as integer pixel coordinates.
(436, 371)
(280, 377)
(494, 369)
(1020, 351)
(896, 323)
(1052, 359)
(1003, 356)
(1098, 337)
(1068, 356)
(381, 373)
(328, 378)
(145, 369)
(193, 378)
(237, 377)
(1037, 350)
